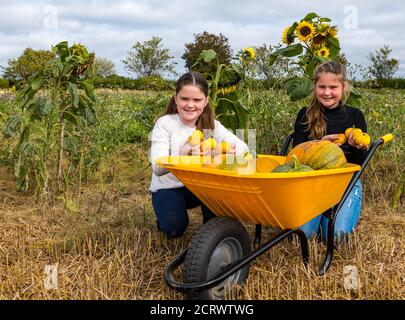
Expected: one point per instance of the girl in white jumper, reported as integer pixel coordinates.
(188, 110)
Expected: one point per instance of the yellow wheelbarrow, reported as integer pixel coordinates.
(220, 254)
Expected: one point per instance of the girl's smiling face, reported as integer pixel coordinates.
(190, 101)
(329, 89)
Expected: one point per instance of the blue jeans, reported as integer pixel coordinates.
(170, 206)
(345, 222)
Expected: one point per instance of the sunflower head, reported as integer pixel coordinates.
(332, 31)
(305, 31)
(288, 36)
(248, 53)
(319, 40)
(322, 29)
(322, 52)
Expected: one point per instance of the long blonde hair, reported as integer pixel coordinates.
(316, 124)
(206, 119)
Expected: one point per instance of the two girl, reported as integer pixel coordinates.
(189, 109)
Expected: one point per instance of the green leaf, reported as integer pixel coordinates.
(310, 68)
(310, 16)
(272, 59)
(334, 47)
(62, 50)
(325, 20)
(230, 75)
(41, 108)
(298, 88)
(208, 55)
(21, 174)
(89, 115)
(24, 139)
(232, 113)
(56, 68)
(88, 89)
(26, 149)
(290, 51)
(37, 81)
(12, 125)
(74, 92)
(354, 98)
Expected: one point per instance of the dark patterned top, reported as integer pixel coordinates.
(338, 120)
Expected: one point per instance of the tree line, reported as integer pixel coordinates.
(150, 61)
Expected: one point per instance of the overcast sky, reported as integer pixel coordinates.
(111, 28)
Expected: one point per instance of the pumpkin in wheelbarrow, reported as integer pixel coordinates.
(296, 166)
(318, 154)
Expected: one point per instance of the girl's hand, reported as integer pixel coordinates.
(331, 137)
(232, 150)
(188, 149)
(351, 141)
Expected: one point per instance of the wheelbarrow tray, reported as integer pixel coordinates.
(283, 200)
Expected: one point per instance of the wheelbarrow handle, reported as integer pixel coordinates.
(387, 138)
(382, 140)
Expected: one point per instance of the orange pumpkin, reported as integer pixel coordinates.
(363, 139)
(318, 154)
(195, 138)
(223, 147)
(341, 140)
(359, 136)
(355, 132)
(209, 144)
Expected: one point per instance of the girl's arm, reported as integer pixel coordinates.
(357, 153)
(160, 146)
(223, 134)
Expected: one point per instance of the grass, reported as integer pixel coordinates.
(106, 246)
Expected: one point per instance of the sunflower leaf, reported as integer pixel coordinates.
(298, 88)
(208, 55)
(310, 16)
(290, 51)
(325, 20)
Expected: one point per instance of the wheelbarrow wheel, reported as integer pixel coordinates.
(219, 243)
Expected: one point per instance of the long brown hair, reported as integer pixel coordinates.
(316, 124)
(206, 119)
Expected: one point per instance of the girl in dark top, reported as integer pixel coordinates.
(324, 119)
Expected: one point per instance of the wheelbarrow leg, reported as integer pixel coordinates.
(304, 245)
(258, 235)
(329, 247)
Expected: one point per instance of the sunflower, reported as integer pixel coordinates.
(286, 37)
(332, 31)
(319, 40)
(305, 31)
(322, 29)
(226, 90)
(249, 53)
(323, 52)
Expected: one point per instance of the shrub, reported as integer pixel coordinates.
(4, 84)
(148, 83)
(153, 83)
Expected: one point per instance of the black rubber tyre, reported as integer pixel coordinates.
(220, 242)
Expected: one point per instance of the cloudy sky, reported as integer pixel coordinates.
(110, 28)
